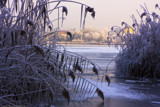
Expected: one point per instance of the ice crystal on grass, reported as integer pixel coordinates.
(33, 70)
(140, 55)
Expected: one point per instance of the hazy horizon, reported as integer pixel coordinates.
(108, 12)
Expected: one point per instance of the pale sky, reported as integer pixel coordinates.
(108, 12)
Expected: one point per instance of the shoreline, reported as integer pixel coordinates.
(82, 43)
(88, 44)
(85, 44)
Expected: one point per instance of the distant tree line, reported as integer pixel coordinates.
(89, 34)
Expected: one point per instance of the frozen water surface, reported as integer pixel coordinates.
(91, 49)
(119, 87)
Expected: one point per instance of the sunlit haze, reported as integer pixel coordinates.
(108, 12)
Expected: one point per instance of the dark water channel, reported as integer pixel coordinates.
(121, 92)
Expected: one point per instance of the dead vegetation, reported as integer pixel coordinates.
(31, 71)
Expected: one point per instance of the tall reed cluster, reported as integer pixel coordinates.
(33, 72)
(140, 43)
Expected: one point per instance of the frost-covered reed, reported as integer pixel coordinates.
(33, 71)
(140, 46)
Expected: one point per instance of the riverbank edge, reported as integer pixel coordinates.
(83, 43)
